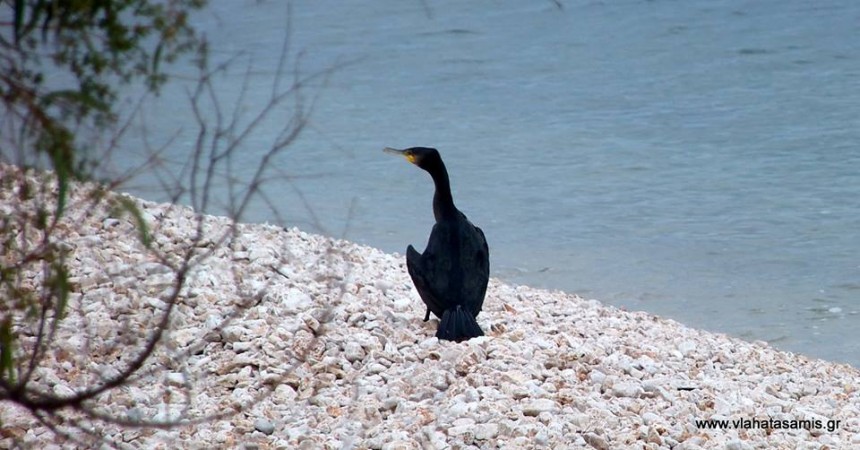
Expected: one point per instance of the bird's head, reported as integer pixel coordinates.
(423, 157)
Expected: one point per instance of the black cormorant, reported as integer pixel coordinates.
(451, 275)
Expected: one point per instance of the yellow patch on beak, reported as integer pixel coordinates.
(411, 158)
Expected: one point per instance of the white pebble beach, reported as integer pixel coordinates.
(553, 371)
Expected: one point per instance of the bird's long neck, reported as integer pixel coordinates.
(443, 202)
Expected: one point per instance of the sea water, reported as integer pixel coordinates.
(696, 159)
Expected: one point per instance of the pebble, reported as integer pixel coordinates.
(338, 352)
(353, 352)
(176, 378)
(134, 415)
(459, 430)
(535, 407)
(738, 445)
(63, 391)
(627, 389)
(650, 418)
(686, 347)
(597, 377)
(264, 426)
(596, 441)
(486, 431)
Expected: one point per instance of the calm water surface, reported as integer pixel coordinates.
(694, 159)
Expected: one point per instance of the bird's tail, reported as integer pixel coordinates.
(458, 324)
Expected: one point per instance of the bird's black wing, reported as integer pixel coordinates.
(439, 268)
(476, 267)
(483, 263)
(454, 268)
(417, 265)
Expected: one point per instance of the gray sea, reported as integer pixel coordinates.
(696, 159)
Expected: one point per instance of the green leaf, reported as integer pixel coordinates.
(156, 59)
(19, 19)
(61, 288)
(7, 370)
(142, 228)
(41, 219)
(62, 185)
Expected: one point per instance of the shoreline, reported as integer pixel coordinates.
(554, 370)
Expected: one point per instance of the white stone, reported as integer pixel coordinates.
(264, 426)
(738, 445)
(337, 354)
(597, 377)
(63, 391)
(650, 418)
(176, 378)
(535, 407)
(486, 431)
(627, 389)
(686, 347)
(353, 351)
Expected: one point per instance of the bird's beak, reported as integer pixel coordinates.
(409, 156)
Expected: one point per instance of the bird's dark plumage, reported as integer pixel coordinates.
(451, 275)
